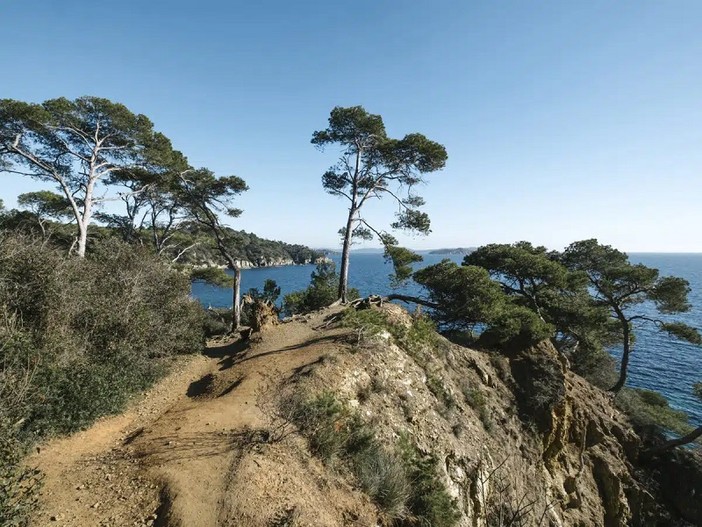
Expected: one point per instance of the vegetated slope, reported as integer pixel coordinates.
(188, 243)
(359, 418)
(249, 249)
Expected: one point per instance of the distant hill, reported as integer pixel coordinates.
(456, 250)
(189, 244)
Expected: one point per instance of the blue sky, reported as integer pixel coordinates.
(563, 120)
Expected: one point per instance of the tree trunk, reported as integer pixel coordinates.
(345, 254)
(84, 219)
(236, 302)
(623, 368)
(689, 438)
(82, 239)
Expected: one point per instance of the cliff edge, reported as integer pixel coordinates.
(364, 417)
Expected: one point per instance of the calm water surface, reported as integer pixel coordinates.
(658, 363)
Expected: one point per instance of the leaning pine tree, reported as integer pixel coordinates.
(621, 286)
(206, 197)
(373, 165)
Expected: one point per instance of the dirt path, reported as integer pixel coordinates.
(176, 444)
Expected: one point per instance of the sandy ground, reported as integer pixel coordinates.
(165, 461)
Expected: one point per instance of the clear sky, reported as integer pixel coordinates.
(563, 120)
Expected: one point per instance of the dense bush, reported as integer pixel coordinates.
(18, 484)
(78, 337)
(468, 299)
(89, 332)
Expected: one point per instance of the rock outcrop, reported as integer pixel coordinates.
(519, 437)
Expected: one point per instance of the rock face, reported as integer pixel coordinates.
(518, 437)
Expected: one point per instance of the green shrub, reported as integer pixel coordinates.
(419, 339)
(322, 291)
(476, 400)
(366, 323)
(429, 503)
(437, 387)
(383, 477)
(404, 485)
(78, 338)
(19, 485)
(218, 322)
(649, 410)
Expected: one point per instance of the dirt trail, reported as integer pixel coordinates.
(177, 443)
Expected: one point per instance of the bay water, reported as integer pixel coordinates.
(658, 362)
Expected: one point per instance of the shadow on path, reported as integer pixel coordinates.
(329, 338)
(227, 353)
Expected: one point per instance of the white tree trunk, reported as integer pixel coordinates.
(236, 299)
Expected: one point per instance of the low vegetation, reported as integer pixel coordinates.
(321, 292)
(79, 337)
(403, 482)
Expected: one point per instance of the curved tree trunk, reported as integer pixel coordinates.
(689, 438)
(624, 367)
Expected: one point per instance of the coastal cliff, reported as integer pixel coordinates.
(346, 417)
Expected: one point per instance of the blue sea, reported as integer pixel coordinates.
(658, 362)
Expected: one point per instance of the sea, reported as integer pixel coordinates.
(658, 362)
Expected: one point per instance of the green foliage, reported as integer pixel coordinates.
(419, 339)
(697, 390)
(373, 165)
(323, 420)
(539, 387)
(650, 410)
(217, 322)
(82, 146)
(45, 204)
(514, 325)
(430, 504)
(534, 279)
(467, 298)
(477, 401)
(212, 275)
(618, 285)
(271, 292)
(366, 323)
(19, 485)
(321, 292)
(580, 299)
(401, 260)
(437, 387)
(383, 477)
(682, 332)
(403, 484)
(78, 338)
(85, 335)
(464, 296)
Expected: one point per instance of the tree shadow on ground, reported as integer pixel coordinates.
(227, 353)
(320, 340)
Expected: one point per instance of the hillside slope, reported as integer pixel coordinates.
(512, 440)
